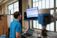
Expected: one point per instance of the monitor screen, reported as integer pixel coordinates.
(32, 12)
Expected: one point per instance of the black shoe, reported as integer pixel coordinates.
(44, 32)
(38, 37)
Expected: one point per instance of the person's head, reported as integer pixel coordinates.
(17, 15)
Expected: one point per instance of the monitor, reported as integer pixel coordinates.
(32, 13)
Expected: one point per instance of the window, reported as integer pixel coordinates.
(42, 4)
(36, 24)
(34, 4)
(47, 3)
(52, 12)
(52, 4)
(11, 9)
(56, 3)
(33, 0)
(16, 6)
(50, 26)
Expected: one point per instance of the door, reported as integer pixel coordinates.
(3, 25)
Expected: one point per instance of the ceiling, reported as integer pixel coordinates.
(3, 1)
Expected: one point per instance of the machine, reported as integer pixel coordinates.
(42, 15)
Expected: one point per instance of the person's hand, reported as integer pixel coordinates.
(24, 32)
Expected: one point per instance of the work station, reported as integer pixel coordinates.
(28, 18)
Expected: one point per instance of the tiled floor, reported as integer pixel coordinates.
(50, 35)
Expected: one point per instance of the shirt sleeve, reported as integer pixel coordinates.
(18, 28)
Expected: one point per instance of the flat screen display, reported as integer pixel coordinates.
(32, 12)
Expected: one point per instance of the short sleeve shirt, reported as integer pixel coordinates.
(15, 26)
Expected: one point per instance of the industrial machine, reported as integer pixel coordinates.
(44, 18)
(42, 15)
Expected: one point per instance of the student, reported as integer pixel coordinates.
(15, 26)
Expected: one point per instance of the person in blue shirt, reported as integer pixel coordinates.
(15, 26)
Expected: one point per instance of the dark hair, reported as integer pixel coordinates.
(16, 14)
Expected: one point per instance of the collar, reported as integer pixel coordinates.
(15, 19)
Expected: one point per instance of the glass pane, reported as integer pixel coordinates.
(8, 11)
(34, 4)
(40, 5)
(47, 3)
(37, 25)
(52, 12)
(56, 3)
(48, 27)
(34, 24)
(40, 26)
(12, 11)
(43, 4)
(52, 26)
(34, 0)
(16, 6)
(52, 23)
(37, 0)
(52, 4)
(10, 8)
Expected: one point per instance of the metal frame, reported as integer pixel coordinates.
(54, 15)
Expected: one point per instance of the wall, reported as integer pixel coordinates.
(4, 21)
(24, 7)
(25, 4)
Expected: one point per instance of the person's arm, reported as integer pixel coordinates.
(18, 31)
(18, 35)
(27, 26)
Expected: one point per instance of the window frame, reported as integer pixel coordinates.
(13, 7)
